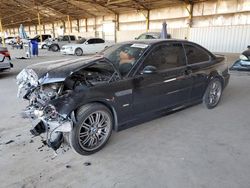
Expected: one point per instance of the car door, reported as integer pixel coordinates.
(168, 86)
(89, 46)
(99, 45)
(198, 61)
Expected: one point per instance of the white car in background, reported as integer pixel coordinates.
(88, 46)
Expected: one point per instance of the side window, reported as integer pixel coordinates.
(195, 54)
(72, 38)
(143, 36)
(91, 41)
(149, 37)
(99, 40)
(166, 56)
(65, 38)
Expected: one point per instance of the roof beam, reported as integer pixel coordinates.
(79, 6)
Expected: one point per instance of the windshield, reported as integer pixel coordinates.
(124, 56)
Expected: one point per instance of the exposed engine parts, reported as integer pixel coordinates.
(41, 92)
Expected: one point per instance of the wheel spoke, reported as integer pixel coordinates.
(86, 140)
(83, 134)
(86, 126)
(97, 118)
(102, 121)
(91, 142)
(91, 119)
(103, 126)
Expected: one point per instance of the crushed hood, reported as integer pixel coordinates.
(60, 69)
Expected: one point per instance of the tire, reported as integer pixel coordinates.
(54, 48)
(43, 46)
(213, 93)
(78, 52)
(88, 136)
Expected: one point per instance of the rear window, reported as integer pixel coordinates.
(195, 54)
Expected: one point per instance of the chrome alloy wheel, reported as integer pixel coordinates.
(94, 130)
(215, 91)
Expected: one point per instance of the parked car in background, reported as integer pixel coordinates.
(151, 35)
(243, 63)
(83, 100)
(38, 37)
(88, 46)
(5, 60)
(43, 44)
(57, 44)
(9, 40)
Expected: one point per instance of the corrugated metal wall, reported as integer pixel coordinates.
(232, 39)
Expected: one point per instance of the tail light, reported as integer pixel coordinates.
(5, 53)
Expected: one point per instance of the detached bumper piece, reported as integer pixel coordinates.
(54, 132)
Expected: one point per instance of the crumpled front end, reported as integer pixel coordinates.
(46, 121)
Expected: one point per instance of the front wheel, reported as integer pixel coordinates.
(92, 130)
(213, 93)
(79, 52)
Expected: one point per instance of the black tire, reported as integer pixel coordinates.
(86, 133)
(78, 52)
(213, 93)
(54, 48)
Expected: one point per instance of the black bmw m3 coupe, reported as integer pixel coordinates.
(81, 101)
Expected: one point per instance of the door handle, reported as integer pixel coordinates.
(139, 78)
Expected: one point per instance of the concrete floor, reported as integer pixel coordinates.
(193, 148)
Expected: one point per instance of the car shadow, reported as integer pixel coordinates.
(8, 74)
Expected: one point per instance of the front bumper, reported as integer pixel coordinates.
(52, 129)
(5, 65)
(67, 52)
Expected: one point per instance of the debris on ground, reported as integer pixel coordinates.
(87, 163)
(31, 141)
(10, 141)
(68, 166)
(18, 135)
(40, 147)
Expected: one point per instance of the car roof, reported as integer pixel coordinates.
(151, 33)
(154, 41)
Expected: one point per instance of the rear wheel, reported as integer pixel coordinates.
(92, 130)
(79, 52)
(213, 93)
(55, 48)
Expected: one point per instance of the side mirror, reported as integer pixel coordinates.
(149, 70)
(86, 42)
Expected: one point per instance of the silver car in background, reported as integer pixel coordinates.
(5, 60)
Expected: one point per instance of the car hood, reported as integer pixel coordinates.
(56, 71)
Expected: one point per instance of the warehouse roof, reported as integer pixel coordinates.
(15, 12)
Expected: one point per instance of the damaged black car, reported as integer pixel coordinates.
(81, 101)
